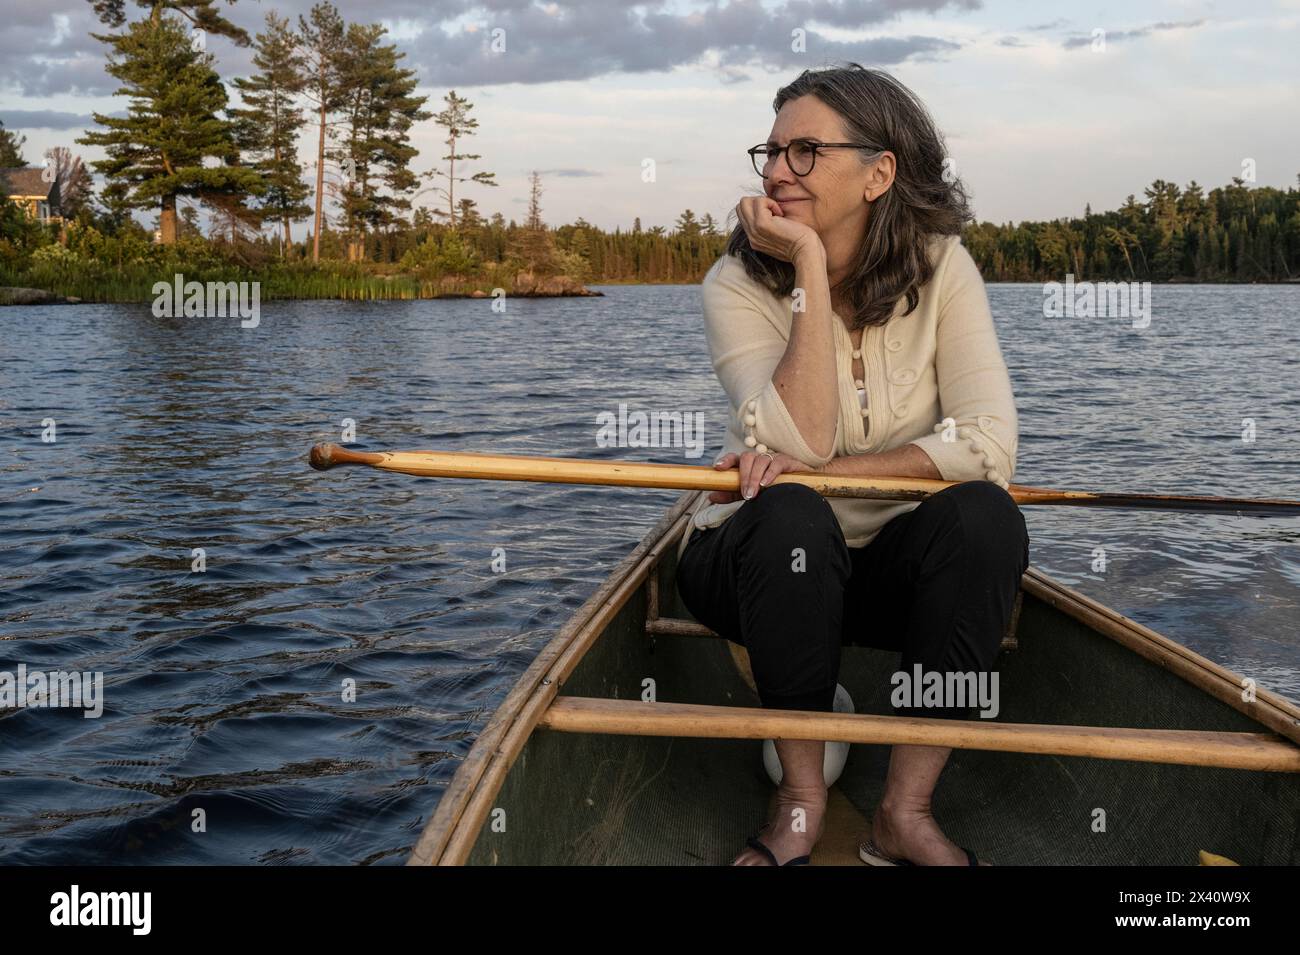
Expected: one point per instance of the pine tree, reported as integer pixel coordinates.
(202, 15)
(267, 128)
(458, 123)
(533, 244)
(11, 149)
(469, 217)
(379, 107)
(687, 225)
(323, 36)
(157, 152)
(188, 227)
(12, 222)
(534, 201)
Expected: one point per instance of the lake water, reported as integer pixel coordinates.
(223, 687)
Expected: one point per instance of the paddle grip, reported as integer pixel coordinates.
(326, 455)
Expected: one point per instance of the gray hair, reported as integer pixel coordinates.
(925, 200)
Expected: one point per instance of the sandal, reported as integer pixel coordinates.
(754, 843)
(869, 853)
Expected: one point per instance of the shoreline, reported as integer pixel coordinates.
(21, 295)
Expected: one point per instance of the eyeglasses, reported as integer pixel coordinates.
(800, 154)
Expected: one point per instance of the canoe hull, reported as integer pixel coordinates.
(594, 799)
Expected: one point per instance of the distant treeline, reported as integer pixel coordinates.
(1236, 233)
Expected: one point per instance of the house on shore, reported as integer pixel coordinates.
(28, 189)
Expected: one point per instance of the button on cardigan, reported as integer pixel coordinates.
(934, 378)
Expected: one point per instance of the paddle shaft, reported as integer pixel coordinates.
(689, 477)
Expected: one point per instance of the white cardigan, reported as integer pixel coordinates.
(940, 362)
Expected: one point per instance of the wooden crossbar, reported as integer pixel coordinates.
(1258, 751)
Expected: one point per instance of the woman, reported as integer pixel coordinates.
(851, 332)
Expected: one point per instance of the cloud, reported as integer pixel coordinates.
(44, 119)
(46, 48)
(855, 14)
(593, 38)
(44, 52)
(1079, 40)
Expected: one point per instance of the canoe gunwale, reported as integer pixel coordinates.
(1268, 709)
(449, 836)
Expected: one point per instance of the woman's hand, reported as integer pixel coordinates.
(770, 231)
(757, 471)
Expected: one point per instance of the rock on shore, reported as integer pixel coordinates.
(528, 284)
(9, 295)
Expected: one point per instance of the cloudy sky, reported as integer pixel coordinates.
(1038, 120)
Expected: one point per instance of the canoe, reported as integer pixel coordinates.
(1114, 744)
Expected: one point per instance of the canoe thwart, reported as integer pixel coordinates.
(1228, 750)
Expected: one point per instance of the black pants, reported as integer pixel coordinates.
(937, 583)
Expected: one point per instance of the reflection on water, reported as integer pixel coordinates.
(226, 690)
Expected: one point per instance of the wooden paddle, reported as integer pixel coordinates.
(691, 477)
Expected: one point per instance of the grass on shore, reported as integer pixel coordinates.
(96, 282)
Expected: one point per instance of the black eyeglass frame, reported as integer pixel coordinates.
(770, 150)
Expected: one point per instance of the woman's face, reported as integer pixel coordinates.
(833, 198)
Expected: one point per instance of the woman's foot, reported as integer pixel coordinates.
(794, 828)
(912, 834)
